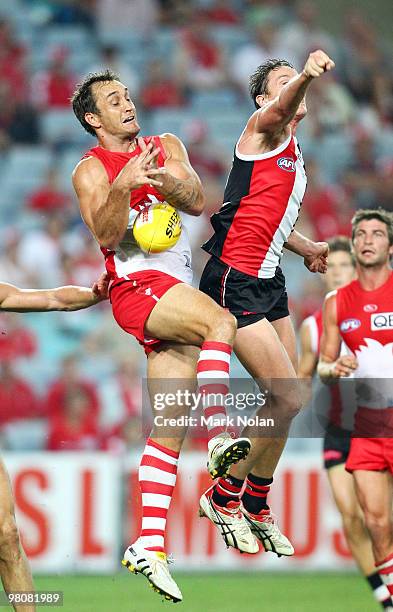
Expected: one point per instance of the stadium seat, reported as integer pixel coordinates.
(61, 125)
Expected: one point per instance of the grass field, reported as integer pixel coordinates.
(249, 592)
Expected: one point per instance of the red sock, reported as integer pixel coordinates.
(213, 381)
(227, 490)
(157, 478)
(255, 494)
(385, 570)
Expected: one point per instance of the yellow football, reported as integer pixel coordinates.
(157, 228)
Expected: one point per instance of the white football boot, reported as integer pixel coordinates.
(230, 522)
(154, 566)
(265, 528)
(223, 451)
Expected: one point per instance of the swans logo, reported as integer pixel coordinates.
(286, 163)
(381, 321)
(370, 308)
(349, 325)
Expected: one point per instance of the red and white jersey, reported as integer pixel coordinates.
(365, 320)
(338, 399)
(128, 257)
(262, 200)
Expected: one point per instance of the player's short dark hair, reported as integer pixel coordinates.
(342, 244)
(366, 214)
(259, 78)
(83, 100)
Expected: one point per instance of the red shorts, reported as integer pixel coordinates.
(373, 454)
(133, 300)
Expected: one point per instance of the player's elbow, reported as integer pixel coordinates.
(198, 206)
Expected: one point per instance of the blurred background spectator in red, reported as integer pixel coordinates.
(159, 89)
(53, 87)
(49, 197)
(18, 399)
(68, 380)
(74, 428)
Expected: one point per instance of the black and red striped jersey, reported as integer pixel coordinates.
(262, 199)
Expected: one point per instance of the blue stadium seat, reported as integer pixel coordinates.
(219, 98)
(62, 126)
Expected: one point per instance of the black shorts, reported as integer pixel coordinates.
(248, 298)
(336, 445)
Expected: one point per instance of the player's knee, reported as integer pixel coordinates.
(9, 537)
(223, 326)
(378, 521)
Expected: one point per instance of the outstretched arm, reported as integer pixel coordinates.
(63, 298)
(315, 254)
(331, 366)
(278, 113)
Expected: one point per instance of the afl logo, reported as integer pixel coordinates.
(370, 308)
(349, 325)
(286, 163)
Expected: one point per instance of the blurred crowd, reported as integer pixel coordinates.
(72, 380)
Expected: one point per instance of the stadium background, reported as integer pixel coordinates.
(70, 383)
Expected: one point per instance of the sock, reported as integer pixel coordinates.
(213, 380)
(380, 590)
(385, 570)
(255, 494)
(227, 490)
(157, 478)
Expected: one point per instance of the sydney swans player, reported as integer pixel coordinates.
(14, 568)
(360, 314)
(341, 405)
(262, 199)
(150, 294)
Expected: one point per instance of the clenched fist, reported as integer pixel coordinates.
(317, 63)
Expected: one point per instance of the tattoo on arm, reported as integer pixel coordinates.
(182, 194)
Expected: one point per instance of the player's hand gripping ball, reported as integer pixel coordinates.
(157, 228)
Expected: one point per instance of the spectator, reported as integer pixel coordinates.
(110, 58)
(265, 44)
(12, 63)
(205, 156)
(220, 13)
(53, 88)
(303, 34)
(74, 428)
(17, 398)
(71, 381)
(18, 120)
(385, 184)
(17, 341)
(360, 179)
(11, 269)
(125, 437)
(40, 251)
(121, 395)
(366, 63)
(159, 89)
(199, 62)
(322, 203)
(49, 198)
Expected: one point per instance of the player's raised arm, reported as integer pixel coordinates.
(105, 207)
(181, 185)
(331, 366)
(278, 112)
(62, 298)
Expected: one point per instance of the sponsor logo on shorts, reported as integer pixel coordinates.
(381, 321)
(349, 325)
(370, 308)
(332, 455)
(286, 163)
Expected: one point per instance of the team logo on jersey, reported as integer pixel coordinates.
(381, 321)
(286, 163)
(370, 308)
(349, 325)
